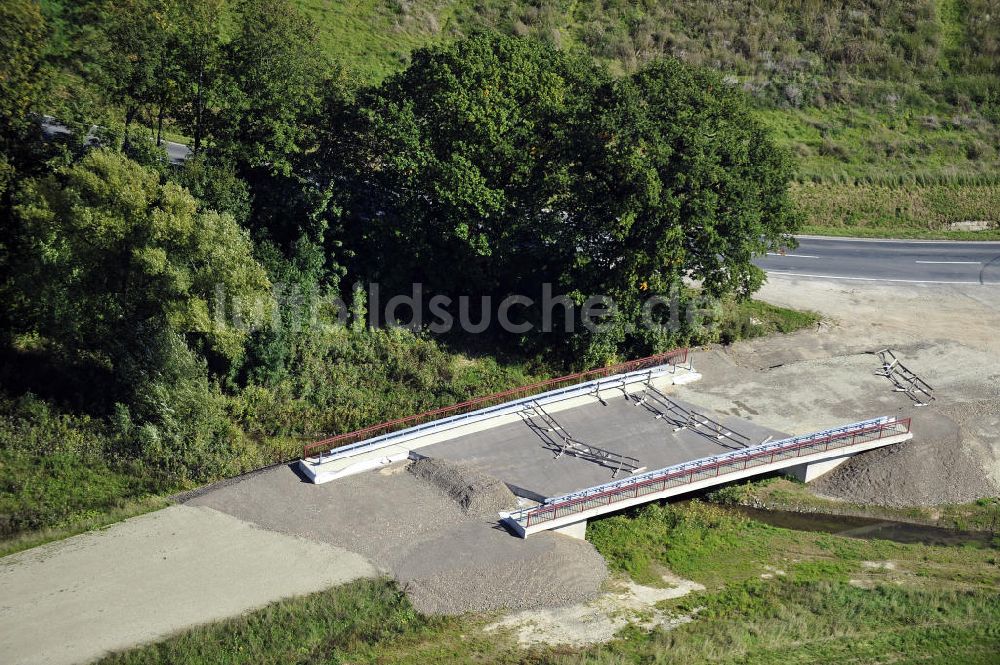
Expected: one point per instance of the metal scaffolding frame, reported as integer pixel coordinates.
(903, 379)
(682, 418)
(562, 442)
(596, 392)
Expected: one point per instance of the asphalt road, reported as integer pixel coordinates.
(908, 261)
(176, 152)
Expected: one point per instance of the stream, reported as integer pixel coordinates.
(867, 527)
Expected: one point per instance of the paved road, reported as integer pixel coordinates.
(176, 152)
(914, 261)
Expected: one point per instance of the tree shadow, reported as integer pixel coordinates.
(76, 385)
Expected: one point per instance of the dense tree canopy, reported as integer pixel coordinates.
(460, 165)
(114, 257)
(496, 165)
(269, 83)
(678, 179)
(22, 80)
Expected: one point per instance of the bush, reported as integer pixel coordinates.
(56, 466)
(340, 379)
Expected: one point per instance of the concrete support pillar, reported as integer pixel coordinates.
(575, 530)
(809, 472)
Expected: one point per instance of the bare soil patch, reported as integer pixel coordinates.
(598, 620)
(448, 560)
(824, 377)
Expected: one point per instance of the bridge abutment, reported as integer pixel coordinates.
(576, 530)
(807, 473)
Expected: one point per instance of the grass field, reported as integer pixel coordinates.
(913, 211)
(772, 596)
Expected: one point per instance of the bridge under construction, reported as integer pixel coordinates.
(580, 446)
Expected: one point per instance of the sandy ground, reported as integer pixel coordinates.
(598, 620)
(447, 560)
(73, 601)
(948, 335)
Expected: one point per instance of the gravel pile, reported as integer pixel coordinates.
(809, 381)
(477, 570)
(475, 492)
(939, 465)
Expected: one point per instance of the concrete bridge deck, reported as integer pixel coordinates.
(528, 463)
(808, 456)
(384, 446)
(589, 448)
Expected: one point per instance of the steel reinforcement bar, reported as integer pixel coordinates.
(697, 470)
(675, 357)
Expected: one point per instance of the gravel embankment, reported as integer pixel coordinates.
(448, 560)
(475, 492)
(937, 466)
(823, 377)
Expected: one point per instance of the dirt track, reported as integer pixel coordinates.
(74, 600)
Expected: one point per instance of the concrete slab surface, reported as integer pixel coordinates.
(518, 455)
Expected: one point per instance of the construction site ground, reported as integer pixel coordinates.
(270, 535)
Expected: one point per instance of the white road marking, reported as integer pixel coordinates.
(964, 263)
(902, 240)
(868, 279)
(794, 256)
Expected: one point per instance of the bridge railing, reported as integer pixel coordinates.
(710, 467)
(675, 357)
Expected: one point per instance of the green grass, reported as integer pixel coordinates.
(900, 233)
(918, 145)
(912, 210)
(820, 621)
(905, 174)
(822, 49)
(57, 478)
(754, 318)
(374, 37)
(46, 495)
(82, 522)
(362, 622)
(821, 603)
(719, 547)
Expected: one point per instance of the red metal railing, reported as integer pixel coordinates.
(675, 357)
(710, 468)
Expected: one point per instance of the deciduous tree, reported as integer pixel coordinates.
(22, 80)
(272, 71)
(114, 258)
